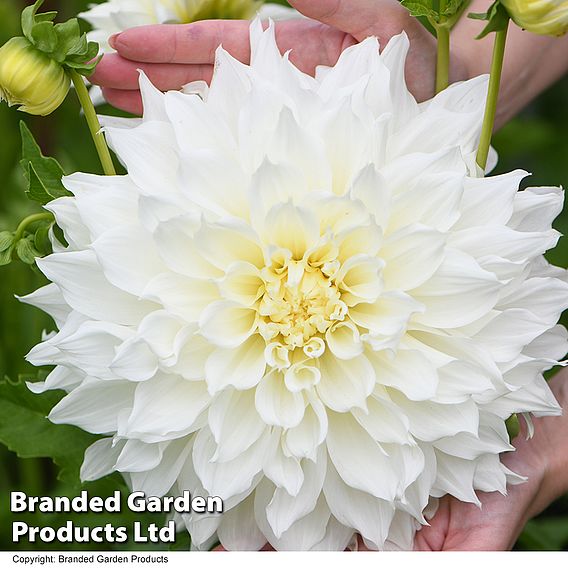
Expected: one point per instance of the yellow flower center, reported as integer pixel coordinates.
(300, 302)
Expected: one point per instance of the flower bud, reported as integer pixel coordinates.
(30, 78)
(544, 17)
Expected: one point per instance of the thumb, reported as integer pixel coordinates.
(360, 18)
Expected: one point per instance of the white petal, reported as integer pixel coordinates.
(430, 421)
(489, 200)
(227, 324)
(285, 509)
(536, 208)
(94, 406)
(137, 456)
(384, 421)
(148, 153)
(100, 459)
(369, 516)
(284, 471)
(459, 293)
(226, 479)
(410, 372)
(504, 242)
(292, 228)
(344, 340)
(159, 480)
(234, 423)
(276, 404)
(50, 300)
(184, 297)
(134, 361)
(455, 476)
(238, 529)
(174, 239)
(166, 407)
(303, 440)
(388, 316)
(87, 290)
(359, 460)
(345, 384)
(411, 257)
(242, 367)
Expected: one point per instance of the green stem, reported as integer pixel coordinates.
(492, 97)
(443, 59)
(93, 122)
(30, 221)
(443, 56)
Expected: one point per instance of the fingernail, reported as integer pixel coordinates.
(112, 40)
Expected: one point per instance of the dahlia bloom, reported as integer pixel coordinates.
(114, 16)
(303, 298)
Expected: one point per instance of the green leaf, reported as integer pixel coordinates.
(26, 250)
(43, 174)
(418, 8)
(446, 16)
(25, 429)
(497, 19)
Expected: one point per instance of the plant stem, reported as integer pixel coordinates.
(93, 122)
(492, 97)
(443, 57)
(443, 60)
(30, 221)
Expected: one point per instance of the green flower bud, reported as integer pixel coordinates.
(544, 17)
(30, 78)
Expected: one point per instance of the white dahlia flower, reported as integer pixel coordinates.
(114, 16)
(304, 299)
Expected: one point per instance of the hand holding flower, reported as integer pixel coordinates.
(543, 459)
(173, 55)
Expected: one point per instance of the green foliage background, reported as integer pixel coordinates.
(536, 141)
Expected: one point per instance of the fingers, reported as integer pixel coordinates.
(190, 43)
(129, 101)
(115, 72)
(356, 17)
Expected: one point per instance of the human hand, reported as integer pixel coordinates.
(500, 520)
(174, 55)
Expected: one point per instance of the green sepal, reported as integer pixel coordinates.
(6, 256)
(26, 251)
(42, 243)
(63, 42)
(43, 36)
(497, 19)
(59, 235)
(6, 247)
(6, 240)
(42, 174)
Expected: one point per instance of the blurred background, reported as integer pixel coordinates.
(535, 141)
